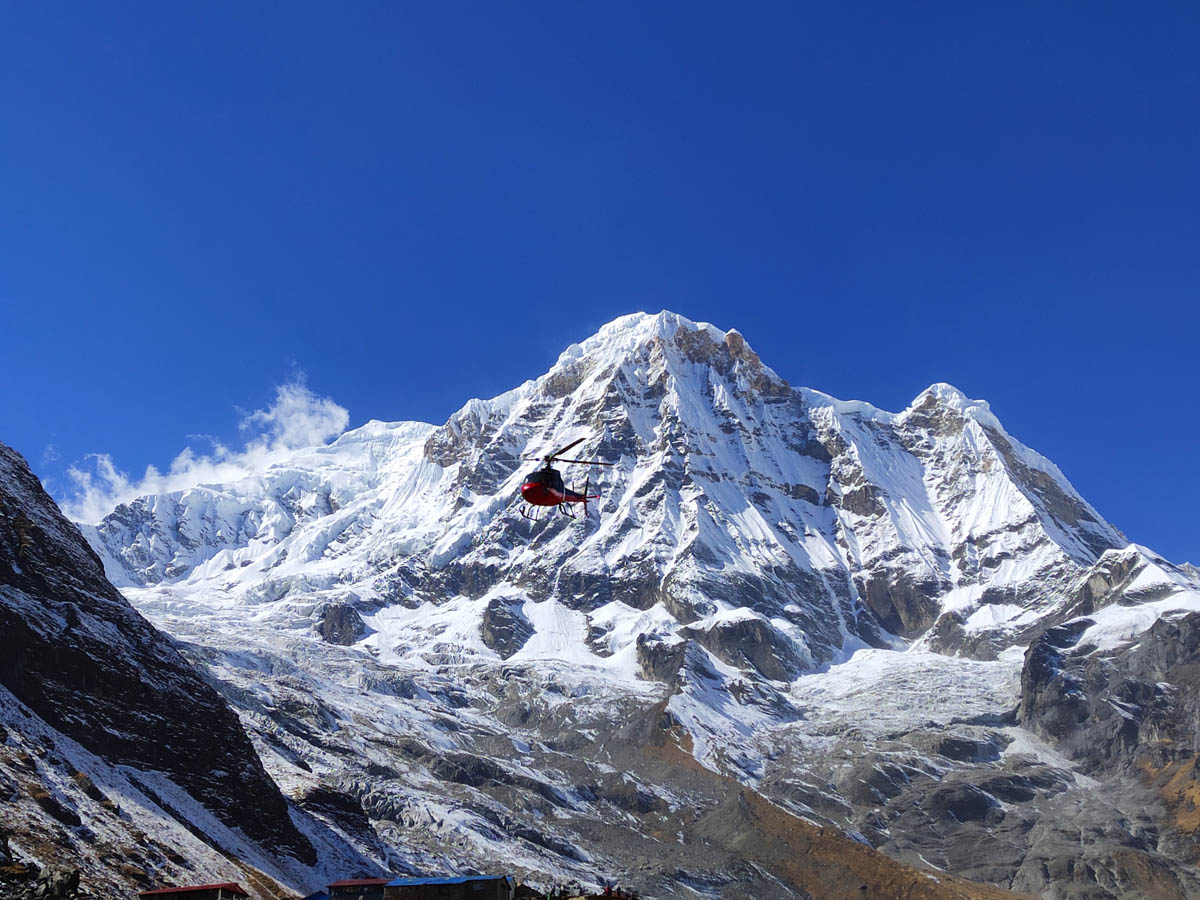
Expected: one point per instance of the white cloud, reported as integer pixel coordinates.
(298, 418)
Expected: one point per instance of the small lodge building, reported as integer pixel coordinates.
(226, 891)
(459, 887)
(358, 889)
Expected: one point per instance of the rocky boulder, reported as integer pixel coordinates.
(504, 627)
(340, 624)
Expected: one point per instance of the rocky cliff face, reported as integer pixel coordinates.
(824, 601)
(1133, 710)
(107, 734)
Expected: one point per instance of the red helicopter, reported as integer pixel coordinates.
(545, 488)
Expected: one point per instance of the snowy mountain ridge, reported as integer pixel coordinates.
(724, 473)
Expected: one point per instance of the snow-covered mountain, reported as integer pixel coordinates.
(767, 565)
(737, 502)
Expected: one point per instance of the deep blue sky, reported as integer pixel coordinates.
(417, 203)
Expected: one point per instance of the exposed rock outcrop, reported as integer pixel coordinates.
(504, 627)
(1134, 706)
(751, 643)
(340, 624)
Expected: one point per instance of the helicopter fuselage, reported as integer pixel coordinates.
(545, 488)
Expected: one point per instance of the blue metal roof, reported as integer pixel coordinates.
(458, 879)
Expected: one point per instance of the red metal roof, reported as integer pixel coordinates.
(355, 882)
(227, 886)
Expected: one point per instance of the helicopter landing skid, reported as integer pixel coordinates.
(539, 513)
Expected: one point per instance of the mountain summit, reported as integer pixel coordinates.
(738, 505)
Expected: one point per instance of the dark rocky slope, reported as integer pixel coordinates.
(75, 653)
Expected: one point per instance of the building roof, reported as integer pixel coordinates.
(359, 882)
(225, 886)
(453, 879)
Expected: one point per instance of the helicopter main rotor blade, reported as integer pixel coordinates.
(568, 447)
(586, 462)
